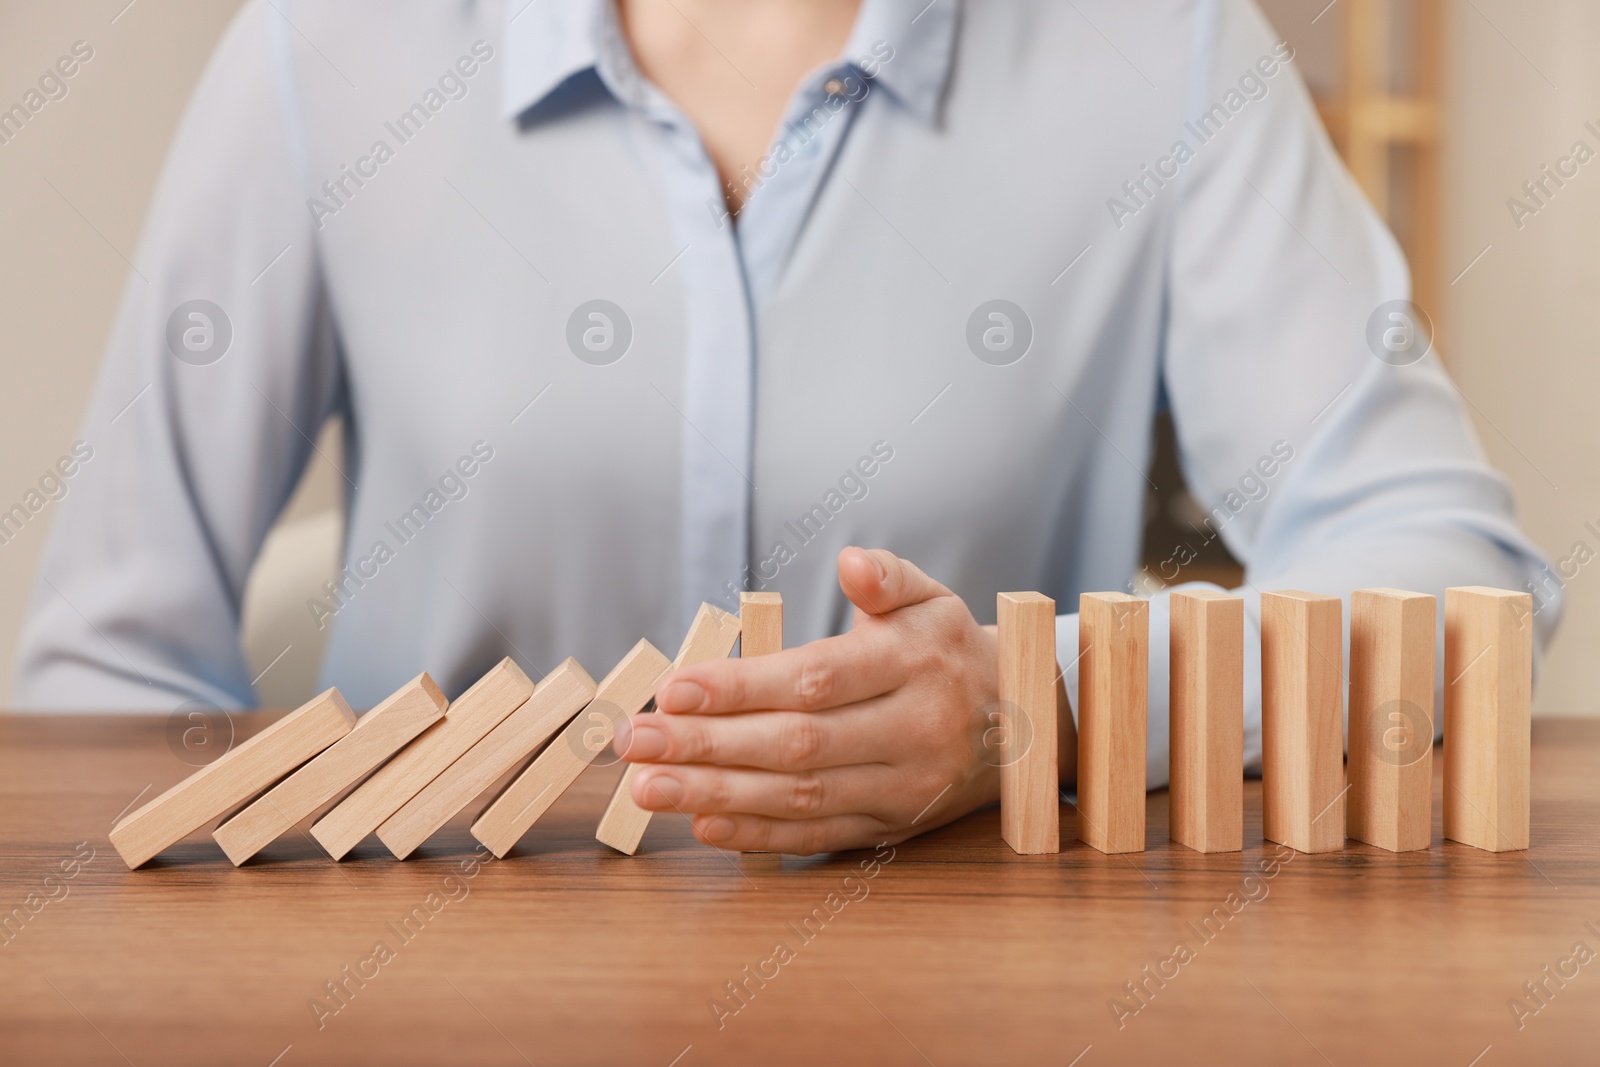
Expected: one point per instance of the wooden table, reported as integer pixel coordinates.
(955, 952)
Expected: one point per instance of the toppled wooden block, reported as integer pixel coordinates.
(622, 693)
(711, 636)
(232, 778)
(378, 734)
(555, 700)
(477, 711)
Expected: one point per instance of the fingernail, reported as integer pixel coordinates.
(717, 828)
(668, 788)
(681, 696)
(619, 739)
(648, 741)
(877, 565)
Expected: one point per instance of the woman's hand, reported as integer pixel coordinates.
(848, 742)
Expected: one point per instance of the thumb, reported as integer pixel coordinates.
(877, 581)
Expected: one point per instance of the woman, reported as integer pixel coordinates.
(606, 346)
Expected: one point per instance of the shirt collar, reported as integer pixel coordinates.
(547, 42)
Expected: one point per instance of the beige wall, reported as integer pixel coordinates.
(61, 273)
(1521, 318)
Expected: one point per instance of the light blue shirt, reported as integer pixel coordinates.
(990, 242)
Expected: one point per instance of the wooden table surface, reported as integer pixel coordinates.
(955, 951)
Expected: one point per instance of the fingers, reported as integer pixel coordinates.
(774, 740)
(699, 789)
(878, 581)
(805, 837)
(828, 673)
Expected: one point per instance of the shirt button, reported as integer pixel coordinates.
(834, 87)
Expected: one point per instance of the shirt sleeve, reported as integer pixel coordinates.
(1321, 466)
(204, 414)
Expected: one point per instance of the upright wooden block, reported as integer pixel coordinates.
(760, 624)
(1113, 714)
(1207, 720)
(378, 734)
(559, 696)
(473, 714)
(711, 636)
(1488, 678)
(1302, 720)
(1391, 718)
(1030, 780)
(622, 693)
(232, 778)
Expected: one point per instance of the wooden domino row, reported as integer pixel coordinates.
(414, 762)
(410, 765)
(1306, 802)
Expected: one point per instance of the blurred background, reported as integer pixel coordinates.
(1442, 108)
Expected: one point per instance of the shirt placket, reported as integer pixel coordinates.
(727, 274)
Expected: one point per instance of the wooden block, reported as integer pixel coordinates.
(1113, 714)
(1207, 720)
(623, 692)
(1391, 719)
(711, 636)
(760, 624)
(232, 778)
(473, 714)
(1030, 781)
(1302, 720)
(1488, 679)
(378, 734)
(559, 696)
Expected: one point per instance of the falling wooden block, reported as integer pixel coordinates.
(760, 624)
(622, 693)
(232, 778)
(1030, 781)
(1488, 676)
(473, 714)
(378, 734)
(1302, 720)
(559, 696)
(1113, 711)
(1391, 719)
(1207, 720)
(711, 636)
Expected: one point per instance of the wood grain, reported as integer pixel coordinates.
(378, 734)
(1392, 634)
(575, 954)
(1302, 720)
(233, 777)
(555, 700)
(760, 623)
(1113, 719)
(1030, 781)
(621, 693)
(760, 630)
(1206, 706)
(1488, 676)
(484, 705)
(711, 635)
